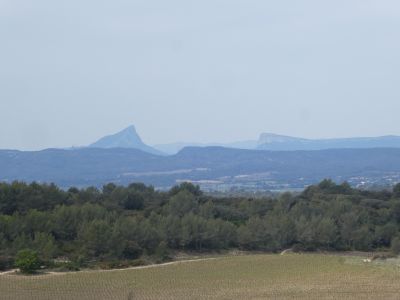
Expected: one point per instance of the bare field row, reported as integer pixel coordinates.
(292, 276)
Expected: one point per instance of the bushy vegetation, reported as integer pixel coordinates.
(27, 261)
(126, 223)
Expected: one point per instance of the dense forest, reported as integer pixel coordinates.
(79, 227)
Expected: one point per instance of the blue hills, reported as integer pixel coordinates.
(130, 139)
(274, 162)
(270, 141)
(214, 168)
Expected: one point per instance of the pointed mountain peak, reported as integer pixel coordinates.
(126, 138)
(128, 135)
(131, 128)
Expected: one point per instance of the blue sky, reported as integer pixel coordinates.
(199, 71)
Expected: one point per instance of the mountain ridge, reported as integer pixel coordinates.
(277, 142)
(213, 168)
(268, 141)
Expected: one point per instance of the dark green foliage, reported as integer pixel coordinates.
(162, 252)
(95, 238)
(133, 201)
(6, 263)
(395, 247)
(27, 261)
(188, 187)
(21, 197)
(396, 191)
(181, 204)
(132, 250)
(117, 223)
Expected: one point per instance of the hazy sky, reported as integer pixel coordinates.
(210, 70)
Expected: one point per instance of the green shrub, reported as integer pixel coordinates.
(27, 261)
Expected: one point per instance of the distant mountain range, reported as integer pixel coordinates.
(129, 138)
(274, 162)
(275, 142)
(269, 141)
(213, 168)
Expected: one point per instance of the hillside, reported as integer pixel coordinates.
(212, 168)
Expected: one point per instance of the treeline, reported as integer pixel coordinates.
(125, 223)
